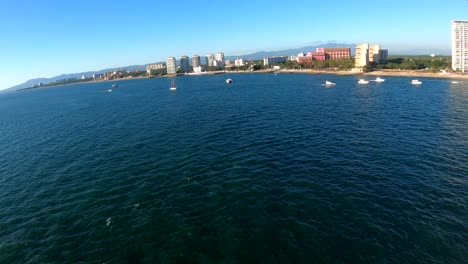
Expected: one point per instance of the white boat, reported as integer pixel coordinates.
(114, 85)
(416, 82)
(228, 80)
(456, 82)
(173, 86)
(362, 81)
(110, 90)
(378, 79)
(328, 83)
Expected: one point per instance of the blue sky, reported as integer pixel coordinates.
(45, 38)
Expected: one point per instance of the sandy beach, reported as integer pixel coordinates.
(399, 73)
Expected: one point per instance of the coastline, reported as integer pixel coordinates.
(395, 73)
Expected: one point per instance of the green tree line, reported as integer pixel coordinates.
(434, 64)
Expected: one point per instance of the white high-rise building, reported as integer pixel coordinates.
(374, 53)
(460, 45)
(196, 61)
(209, 60)
(239, 62)
(219, 57)
(171, 65)
(362, 55)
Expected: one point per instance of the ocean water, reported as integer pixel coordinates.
(269, 169)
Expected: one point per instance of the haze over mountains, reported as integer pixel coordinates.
(253, 56)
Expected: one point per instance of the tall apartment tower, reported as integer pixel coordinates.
(195, 61)
(184, 64)
(374, 53)
(171, 65)
(219, 57)
(362, 55)
(209, 60)
(460, 45)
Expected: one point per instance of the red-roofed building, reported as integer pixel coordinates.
(323, 54)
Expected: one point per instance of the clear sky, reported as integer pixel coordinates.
(45, 38)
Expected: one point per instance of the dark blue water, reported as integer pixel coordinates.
(269, 169)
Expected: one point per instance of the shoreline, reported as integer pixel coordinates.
(394, 73)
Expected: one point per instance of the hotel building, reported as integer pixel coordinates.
(362, 55)
(274, 60)
(239, 62)
(460, 45)
(209, 60)
(152, 68)
(383, 56)
(195, 61)
(366, 54)
(336, 53)
(171, 65)
(184, 64)
(323, 54)
(377, 55)
(219, 57)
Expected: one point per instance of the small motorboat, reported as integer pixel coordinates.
(362, 81)
(378, 79)
(115, 85)
(229, 80)
(416, 82)
(328, 83)
(110, 90)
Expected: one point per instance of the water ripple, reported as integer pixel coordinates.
(272, 169)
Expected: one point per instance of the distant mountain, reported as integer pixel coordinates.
(262, 54)
(35, 81)
(254, 56)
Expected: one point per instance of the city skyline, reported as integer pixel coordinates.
(48, 39)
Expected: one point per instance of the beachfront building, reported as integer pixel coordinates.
(374, 53)
(370, 54)
(154, 68)
(171, 65)
(460, 45)
(195, 61)
(335, 53)
(311, 56)
(184, 64)
(323, 54)
(99, 76)
(197, 70)
(209, 60)
(383, 56)
(218, 64)
(219, 58)
(239, 62)
(362, 55)
(274, 60)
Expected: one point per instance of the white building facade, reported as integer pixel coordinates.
(196, 61)
(210, 60)
(219, 57)
(460, 45)
(152, 68)
(274, 60)
(239, 62)
(362, 55)
(171, 65)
